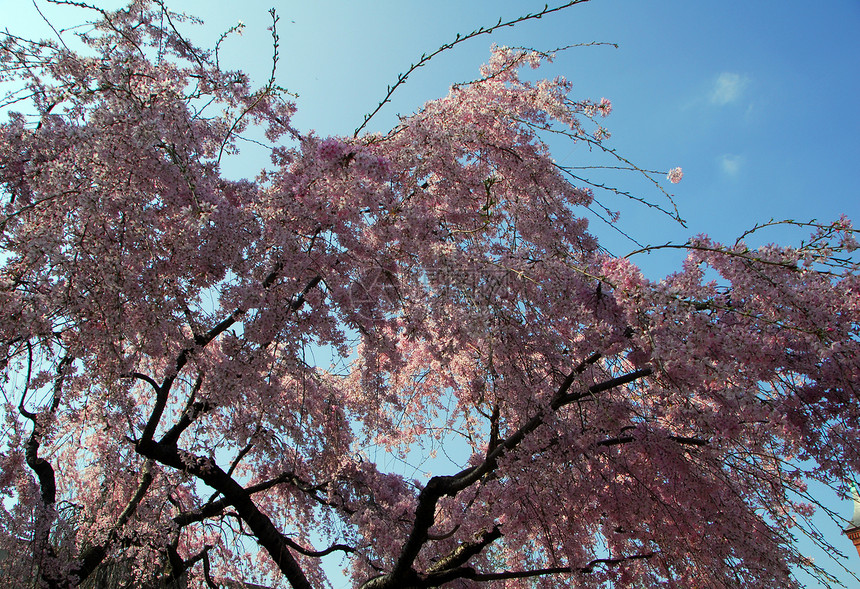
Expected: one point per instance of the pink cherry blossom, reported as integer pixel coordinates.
(605, 107)
(675, 175)
(220, 380)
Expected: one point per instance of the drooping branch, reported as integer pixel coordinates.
(747, 254)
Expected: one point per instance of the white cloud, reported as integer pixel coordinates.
(728, 88)
(731, 164)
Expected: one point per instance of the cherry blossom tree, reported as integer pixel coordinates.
(165, 408)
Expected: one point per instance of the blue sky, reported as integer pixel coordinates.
(757, 101)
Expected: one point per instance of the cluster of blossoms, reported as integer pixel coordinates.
(194, 360)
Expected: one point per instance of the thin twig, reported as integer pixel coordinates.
(401, 78)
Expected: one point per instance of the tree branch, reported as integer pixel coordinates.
(92, 557)
(462, 553)
(471, 574)
(46, 512)
(264, 531)
(192, 409)
(213, 508)
(440, 486)
(401, 78)
(319, 553)
(200, 341)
